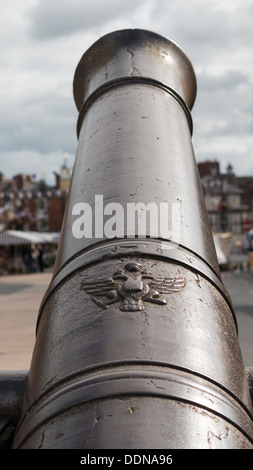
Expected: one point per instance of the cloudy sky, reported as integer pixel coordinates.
(42, 42)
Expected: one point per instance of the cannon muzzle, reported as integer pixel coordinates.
(137, 342)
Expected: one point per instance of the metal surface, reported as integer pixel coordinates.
(137, 341)
(134, 90)
(12, 388)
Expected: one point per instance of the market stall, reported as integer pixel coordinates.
(26, 251)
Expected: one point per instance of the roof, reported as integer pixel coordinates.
(19, 237)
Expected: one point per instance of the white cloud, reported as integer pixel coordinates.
(58, 19)
(42, 42)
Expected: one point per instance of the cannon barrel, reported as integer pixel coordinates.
(136, 341)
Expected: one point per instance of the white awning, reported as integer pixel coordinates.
(18, 237)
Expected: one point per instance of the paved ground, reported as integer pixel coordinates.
(240, 288)
(20, 298)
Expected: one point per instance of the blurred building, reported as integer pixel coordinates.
(229, 199)
(26, 204)
(29, 205)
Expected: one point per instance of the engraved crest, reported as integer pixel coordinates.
(132, 286)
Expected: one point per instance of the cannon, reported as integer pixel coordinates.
(136, 339)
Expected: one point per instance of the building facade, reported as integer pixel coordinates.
(33, 206)
(228, 204)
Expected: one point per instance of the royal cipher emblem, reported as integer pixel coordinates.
(132, 287)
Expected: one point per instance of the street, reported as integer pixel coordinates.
(20, 298)
(21, 295)
(240, 288)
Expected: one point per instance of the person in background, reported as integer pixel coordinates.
(40, 258)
